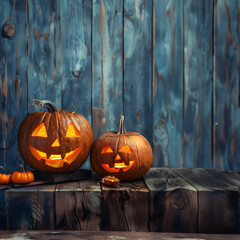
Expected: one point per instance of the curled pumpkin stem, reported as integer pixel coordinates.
(22, 167)
(121, 129)
(2, 169)
(51, 107)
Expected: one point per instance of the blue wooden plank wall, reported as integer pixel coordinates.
(171, 67)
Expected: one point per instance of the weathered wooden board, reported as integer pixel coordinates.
(13, 82)
(173, 202)
(226, 85)
(137, 66)
(3, 215)
(79, 174)
(75, 57)
(93, 235)
(78, 205)
(31, 208)
(172, 67)
(125, 208)
(44, 59)
(218, 199)
(167, 95)
(198, 79)
(107, 75)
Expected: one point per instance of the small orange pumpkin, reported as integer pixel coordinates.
(23, 176)
(5, 178)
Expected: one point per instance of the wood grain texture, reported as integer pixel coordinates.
(173, 202)
(137, 67)
(75, 58)
(93, 235)
(172, 67)
(44, 59)
(31, 208)
(198, 80)
(3, 215)
(82, 205)
(13, 84)
(125, 208)
(167, 96)
(218, 199)
(107, 76)
(226, 85)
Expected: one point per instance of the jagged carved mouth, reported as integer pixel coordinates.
(118, 166)
(55, 160)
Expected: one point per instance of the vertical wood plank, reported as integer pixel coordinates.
(82, 210)
(167, 96)
(107, 28)
(226, 85)
(198, 80)
(173, 202)
(3, 215)
(13, 82)
(137, 66)
(75, 57)
(30, 208)
(44, 61)
(125, 208)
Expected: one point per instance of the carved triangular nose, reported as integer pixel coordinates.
(117, 157)
(56, 143)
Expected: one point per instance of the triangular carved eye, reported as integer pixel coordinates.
(126, 149)
(72, 131)
(107, 149)
(40, 131)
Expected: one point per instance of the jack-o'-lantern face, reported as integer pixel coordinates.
(124, 155)
(120, 162)
(55, 142)
(55, 157)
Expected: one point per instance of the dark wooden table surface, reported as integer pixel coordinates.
(111, 235)
(165, 200)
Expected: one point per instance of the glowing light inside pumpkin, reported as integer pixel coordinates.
(126, 148)
(72, 131)
(56, 143)
(118, 166)
(117, 157)
(40, 131)
(55, 160)
(106, 149)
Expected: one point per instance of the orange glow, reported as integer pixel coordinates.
(56, 143)
(118, 166)
(40, 131)
(37, 154)
(106, 149)
(55, 160)
(117, 157)
(126, 148)
(72, 131)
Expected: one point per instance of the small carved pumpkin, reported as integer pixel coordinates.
(5, 178)
(55, 141)
(23, 176)
(125, 155)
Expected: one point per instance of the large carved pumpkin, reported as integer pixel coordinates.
(125, 155)
(55, 141)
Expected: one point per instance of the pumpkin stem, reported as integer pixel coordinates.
(22, 167)
(121, 129)
(2, 169)
(51, 107)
